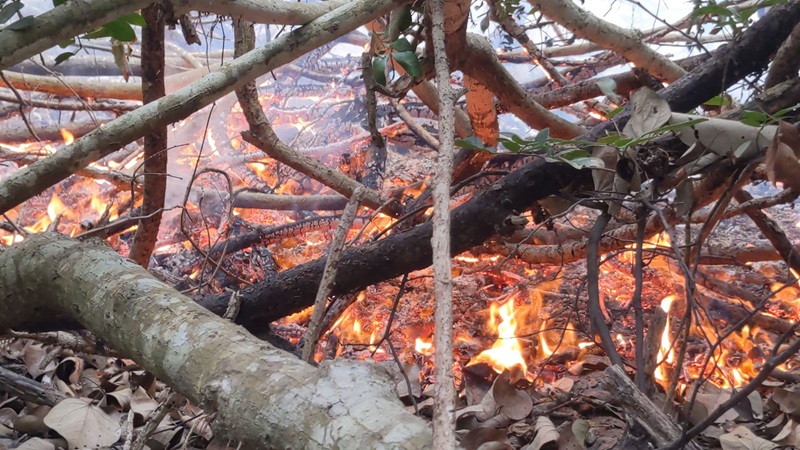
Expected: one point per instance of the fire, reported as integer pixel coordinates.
(68, 137)
(666, 343)
(423, 348)
(506, 352)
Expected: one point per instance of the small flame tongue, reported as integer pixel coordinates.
(506, 352)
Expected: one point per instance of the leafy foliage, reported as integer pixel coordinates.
(398, 51)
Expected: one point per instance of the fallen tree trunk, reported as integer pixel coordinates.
(264, 397)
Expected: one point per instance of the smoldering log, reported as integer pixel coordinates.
(472, 223)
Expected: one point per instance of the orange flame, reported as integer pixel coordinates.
(506, 352)
(666, 343)
(68, 137)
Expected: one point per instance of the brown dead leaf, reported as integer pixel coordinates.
(788, 399)
(83, 424)
(121, 398)
(546, 435)
(38, 360)
(37, 444)
(513, 403)
(722, 136)
(789, 435)
(564, 384)
(781, 159)
(741, 438)
(477, 438)
(649, 111)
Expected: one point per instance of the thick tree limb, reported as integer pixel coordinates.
(37, 177)
(471, 224)
(264, 11)
(277, 401)
(60, 24)
(786, 62)
(483, 65)
(625, 42)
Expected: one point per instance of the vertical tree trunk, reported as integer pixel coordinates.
(155, 143)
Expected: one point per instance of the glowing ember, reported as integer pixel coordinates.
(506, 352)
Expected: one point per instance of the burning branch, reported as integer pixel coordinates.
(329, 273)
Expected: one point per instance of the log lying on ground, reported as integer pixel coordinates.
(661, 428)
(472, 223)
(264, 397)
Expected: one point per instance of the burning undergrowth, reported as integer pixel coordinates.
(527, 361)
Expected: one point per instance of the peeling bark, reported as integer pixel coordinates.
(264, 397)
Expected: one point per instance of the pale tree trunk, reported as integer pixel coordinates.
(264, 397)
(444, 419)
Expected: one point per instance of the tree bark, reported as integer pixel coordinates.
(60, 24)
(264, 397)
(155, 143)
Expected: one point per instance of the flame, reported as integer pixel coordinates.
(423, 348)
(68, 137)
(506, 352)
(666, 343)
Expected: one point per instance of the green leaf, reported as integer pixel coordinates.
(63, 57)
(754, 118)
(409, 62)
(470, 143)
(615, 111)
(719, 100)
(8, 11)
(584, 162)
(134, 19)
(402, 45)
(541, 137)
(66, 44)
(510, 145)
(404, 20)
(21, 25)
(379, 70)
(573, 153)
(714, 10)
(120, 30)
(97, 34)
(59, 2)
